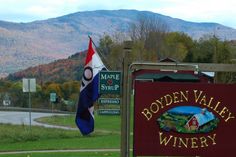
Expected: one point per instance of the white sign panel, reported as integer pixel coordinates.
(29, 85)
(6, 102)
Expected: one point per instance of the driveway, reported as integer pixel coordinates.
(13, 117)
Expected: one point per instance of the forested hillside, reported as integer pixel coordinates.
(57, 71)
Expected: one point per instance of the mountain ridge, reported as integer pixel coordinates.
(29, 44)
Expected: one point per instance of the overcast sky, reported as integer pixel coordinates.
(220, 11)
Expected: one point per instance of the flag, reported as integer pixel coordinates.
(88, 91)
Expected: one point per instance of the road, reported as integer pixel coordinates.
(13, 117)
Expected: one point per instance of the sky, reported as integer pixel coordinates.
(219, 11)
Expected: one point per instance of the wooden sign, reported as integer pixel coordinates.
(184, 119)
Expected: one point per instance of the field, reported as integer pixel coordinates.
(21, 138)
(102, 122)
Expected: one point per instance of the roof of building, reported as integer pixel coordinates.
(168, 76)
(204, 118)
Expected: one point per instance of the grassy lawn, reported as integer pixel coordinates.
(20, 137)
(66, 154)
(102, 122)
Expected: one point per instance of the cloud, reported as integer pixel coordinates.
(200, 10)
(37, 9)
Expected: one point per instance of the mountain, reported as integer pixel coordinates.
(28, 44)
(57, 71)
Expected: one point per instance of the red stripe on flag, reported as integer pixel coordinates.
(90, 52)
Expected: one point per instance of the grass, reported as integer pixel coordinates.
(18, 137)
(17, 133)
(67, 154)
(102, 122)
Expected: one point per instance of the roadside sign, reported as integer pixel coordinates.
(109, 111)
(111, 101)
(53, 97)
(6, 102)
(187, 119)
(29, 85)
(109, 82)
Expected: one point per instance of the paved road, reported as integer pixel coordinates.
(13, 117)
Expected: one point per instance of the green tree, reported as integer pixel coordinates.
(105, 45)
(18, 98)
(4, 85)
(54, 88)
(177, 46)
(209, 50)
(70, 89)
(202, 52)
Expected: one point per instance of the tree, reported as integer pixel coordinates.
(18, 98)
(105, 45)
(54, 88)
(202, 52)
(149, 31)
(209, 50)
(111, 51)
(4, 85)
(176, 45)
(70, 88)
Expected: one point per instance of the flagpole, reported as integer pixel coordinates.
(100, 54)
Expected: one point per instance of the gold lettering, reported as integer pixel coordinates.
(209, 103)
(203, 142)
(182, 141)
(213, 139)
(168, 102)
(223, 112)
(164, 140)
(175, 139)
(185, 96)
(154, 108)
(197, 96)
(216, 107)
(203, 100)
(147, 114)
(160, 102)
(175, 97)
(194, 143)
(229, 117)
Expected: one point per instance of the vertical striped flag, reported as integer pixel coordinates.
(88, 91)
